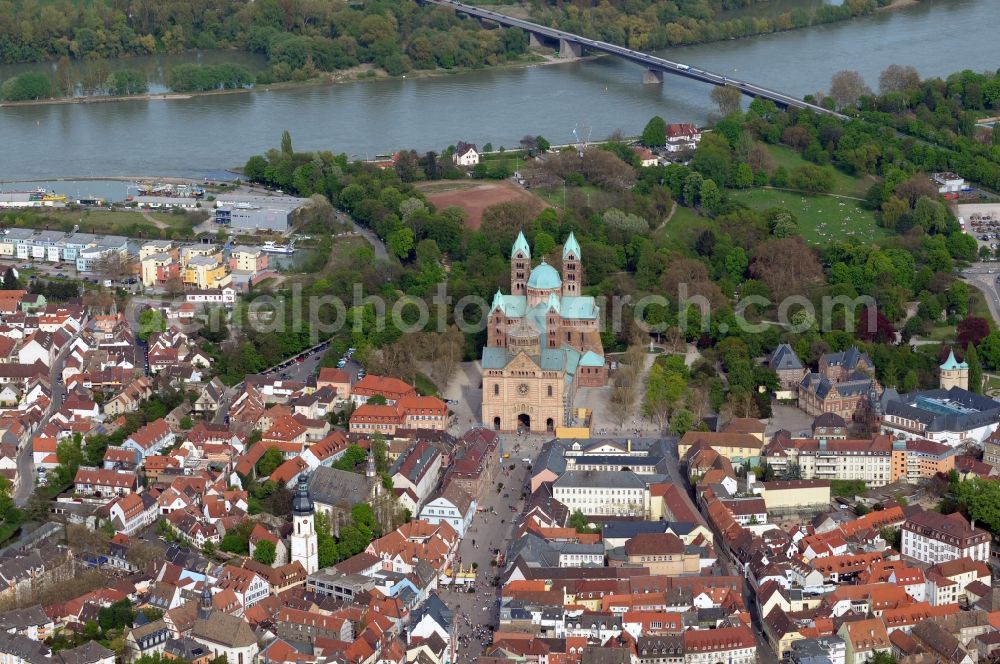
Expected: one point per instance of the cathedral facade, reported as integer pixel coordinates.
(543, 342)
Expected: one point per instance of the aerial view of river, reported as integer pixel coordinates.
(202, 135)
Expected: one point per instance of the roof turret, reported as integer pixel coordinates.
(951, 364)
(521, 245)
(571, 248)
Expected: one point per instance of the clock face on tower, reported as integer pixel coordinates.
(522, 389)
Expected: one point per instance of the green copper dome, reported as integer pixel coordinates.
(544, 277)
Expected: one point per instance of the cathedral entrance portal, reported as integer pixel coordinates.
(524, 422)
(496, 423)
(550, 425)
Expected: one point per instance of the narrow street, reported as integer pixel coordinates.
(477, 613)
(25, 456)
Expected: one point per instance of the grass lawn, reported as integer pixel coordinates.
(554, 195)
(424, 385)
(847, 488)
(978, 306)
(940, 333)
(131, 223)
(7, 531)
(681, 228)
(843, 184)
(822, 219)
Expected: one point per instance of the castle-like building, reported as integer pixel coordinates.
(543, 342)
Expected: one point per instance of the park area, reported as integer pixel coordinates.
(822, 218)
(474, 197)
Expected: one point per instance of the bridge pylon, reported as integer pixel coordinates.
(570, 49)
(535, 42)
(652, 77)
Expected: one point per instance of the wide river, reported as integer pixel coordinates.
(204, 135)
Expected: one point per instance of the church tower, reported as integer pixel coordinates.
(954, 373)
(205, 604)
(520, 266)
(304, 546)
(374, 481)
(572, 271)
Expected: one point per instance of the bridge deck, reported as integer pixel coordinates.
(651, 62)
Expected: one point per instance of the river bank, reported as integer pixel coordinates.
(204, 136)
(357, 74)
(369, 72)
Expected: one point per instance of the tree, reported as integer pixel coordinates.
(579, 522)
(989, 350)
(187, 423)
(981, 498)
(665, 385)
(377, 400)
(847, 87)
(125, 82)
(881, 332)
(174, 286)
(255, 168)
(151, 321)
(269, 462)
(812, 179)
(681, 422)
(64, 84)
(787, 266)
(264, 552)
(971, 330)
(70, 456)
(542, 143)
(711, 196)
(113, 265)
(286, 144)
(10, 282)
(744, 176)
(26, 86)
(654, 135)
(898, 78)
(117, 616)
(726, 98)
(400, 242)
(975, 369)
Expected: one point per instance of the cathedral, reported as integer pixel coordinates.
(543, 342)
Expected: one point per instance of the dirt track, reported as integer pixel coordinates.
(475, 198)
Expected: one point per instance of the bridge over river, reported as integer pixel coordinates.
(572, 45)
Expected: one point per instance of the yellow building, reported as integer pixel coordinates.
(205, 273)
(200, 251)
(154, 247)
(795, 494)
(737, 447)
(157, 268)
(247, 259)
